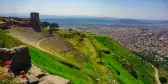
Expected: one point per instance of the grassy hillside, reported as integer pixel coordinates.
(48, 62)
(106, 61)
(144, 70)
(120, 61)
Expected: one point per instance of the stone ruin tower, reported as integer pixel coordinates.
(35, 21)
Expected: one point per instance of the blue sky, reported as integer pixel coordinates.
(139, 9)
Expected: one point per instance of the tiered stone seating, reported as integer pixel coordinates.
(27, 34)
(55, 44)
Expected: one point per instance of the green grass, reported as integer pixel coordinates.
(1, 22)
(52, 65)
(110, 71)
(48, 62)
(9, 41)
(144, 70)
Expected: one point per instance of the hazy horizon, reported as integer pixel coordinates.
(134, 9)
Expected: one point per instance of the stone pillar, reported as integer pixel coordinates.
(35, 21)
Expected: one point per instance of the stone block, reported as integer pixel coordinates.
(21, 61)
(33, 80)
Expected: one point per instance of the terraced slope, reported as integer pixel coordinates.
(54, 45)
(93, 62)
(27, 34)
(59, 47)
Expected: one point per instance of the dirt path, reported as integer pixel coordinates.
(156, 76)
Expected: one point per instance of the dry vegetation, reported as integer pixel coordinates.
(163, 73)
(5, 79)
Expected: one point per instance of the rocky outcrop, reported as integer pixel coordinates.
(18, 57)
(20, 60)
(6, 54)
(36, 74)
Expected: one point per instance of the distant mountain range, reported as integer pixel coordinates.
(87, 20)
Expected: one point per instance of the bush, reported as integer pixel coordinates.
(106, 51)
(54, 25)
(70, 29)
(130, 69)
(133, 73)
(4, 27)
(163, 80)
(45, 24)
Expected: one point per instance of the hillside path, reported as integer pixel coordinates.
(156, 76)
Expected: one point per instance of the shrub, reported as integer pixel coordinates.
(106, 51)
(54, 25)
(4, 27)
(130, 69)
(70, 29)
(163, 80)
(45, 24)
(133, 73)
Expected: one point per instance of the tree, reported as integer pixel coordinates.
(45, 24)
(70, 29)
(100, 56)
(50, 32)
(53, 26)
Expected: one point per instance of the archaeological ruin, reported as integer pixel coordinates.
(35, 21)
(19, 58)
